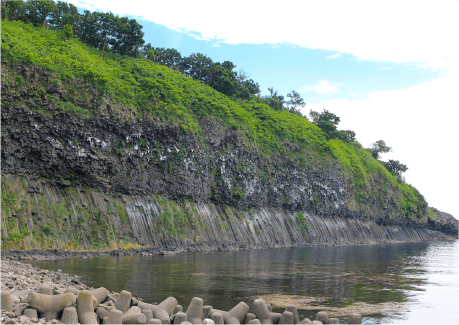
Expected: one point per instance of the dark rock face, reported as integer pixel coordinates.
(156, 158)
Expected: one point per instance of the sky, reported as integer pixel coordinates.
(388, 69)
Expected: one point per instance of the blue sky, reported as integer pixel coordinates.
(389, 69)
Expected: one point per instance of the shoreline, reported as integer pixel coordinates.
(59, 254)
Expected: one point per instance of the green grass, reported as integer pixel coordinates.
(137, 89)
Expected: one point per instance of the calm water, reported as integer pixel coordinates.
(424, 277)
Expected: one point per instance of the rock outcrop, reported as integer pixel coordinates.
(108, 181)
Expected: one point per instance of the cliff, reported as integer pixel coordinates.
(83, 168)
(41, 216)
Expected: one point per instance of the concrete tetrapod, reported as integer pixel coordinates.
(275, 317)
(286, 318)
(177, 309)
(7, 302)
(114, 317)
(154, 321)
(148, 314)
(217, 317)
(85, 308)
(355, 319)
(134, 316)
(168, 305)
(294, 311)
(261, 310)
(180, 317)
(69, 316)
(158, 312)
(235, 316)
(239, 311)
(306, 321)
(322, 316)
(254, 321)
(102, 312)
(100, 294)
(248, 317)
(194, 311)
(50, 306)
(205, 311)
(123, 302)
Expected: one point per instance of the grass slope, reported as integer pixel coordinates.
(155, 90)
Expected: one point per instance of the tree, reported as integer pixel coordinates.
(395, 167)
(220, 78)
(294, 102)
(63, 14)
(194, 65)
(327, 121)
(171, 58)
(346, 135)
(13, 10)
(378, 148)
(274, 100)
(246, 87)
(38, 12)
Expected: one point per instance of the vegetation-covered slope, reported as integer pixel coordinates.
(138, 90)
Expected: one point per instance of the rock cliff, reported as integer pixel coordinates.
(109, 180)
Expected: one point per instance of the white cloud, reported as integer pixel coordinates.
(420, 124)
(323, 87)
(392, 30)
(334, 56)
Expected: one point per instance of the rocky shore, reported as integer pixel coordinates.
(32, 295)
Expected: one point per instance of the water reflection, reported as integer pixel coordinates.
(340, 275)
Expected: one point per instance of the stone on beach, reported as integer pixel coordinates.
(355, 319)
(207, 321)
(45, 290)
(31, 313)
(7, 302)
